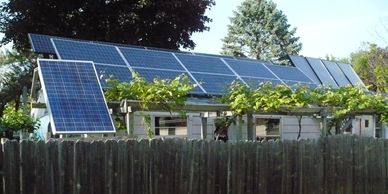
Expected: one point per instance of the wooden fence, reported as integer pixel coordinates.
(330, 165)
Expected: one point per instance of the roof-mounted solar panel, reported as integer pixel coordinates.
(302, 64)
(322, 73)
(351, 74)
(250, 68)
(215, 84)
(110, 72)
(74, 97)
(336, 73)
(203, 64)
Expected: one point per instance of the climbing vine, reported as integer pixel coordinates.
(170, 94)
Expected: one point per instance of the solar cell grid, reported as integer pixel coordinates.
(205, 64)
(150, 59)
(98, 53)
(250, 68)
(301, 63)
(106, 72)
(336, 73)
(288, 73)
(351, 74)
(74, 97)
(214, 84)
(322, 72)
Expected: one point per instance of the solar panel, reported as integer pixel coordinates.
(106, 72)
(205, 64)
(296, 84)
(337, 73)
(351, 74)
(150, 59)
(151, 74)
(301, 63)
(250, 68)
(214, 84)
(98, 53)
(322, 72)
(288, 73)
(254, 83)
(74, 97)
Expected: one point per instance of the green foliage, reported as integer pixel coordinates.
(15, 73)
(13, 121)
(171, 95)
(165, 24)
(371, 64)
(259, 30)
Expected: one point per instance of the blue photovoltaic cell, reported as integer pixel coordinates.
(336, 73)
(351, 74)
(98, 53)
(106, 72)
(301, 63)
(214, 84)
(250, 68)
(151, 74)
(254, 83)
(151, 59)
(41, 43)
(196, 63)
(288, 73)
(74, 97)
(322, 72)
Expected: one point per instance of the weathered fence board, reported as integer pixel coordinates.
(342, 164)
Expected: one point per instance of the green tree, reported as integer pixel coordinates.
(259, 30)
(159, 23)
(15, 74)
(371, 64)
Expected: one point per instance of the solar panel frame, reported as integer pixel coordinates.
(259, 71)
(301, 63)
(322, 73)
(214, 87)
(48, 99)
(351, 74)
(336, 73)
(279, 71)
(199, 63)
(114, 71)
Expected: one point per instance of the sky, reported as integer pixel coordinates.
(325, 27)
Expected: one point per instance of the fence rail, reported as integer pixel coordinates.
(342, 164)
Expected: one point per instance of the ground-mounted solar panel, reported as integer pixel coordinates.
(204, 64)
(151, 74)
(254, 83)
(250, 68)
(302, 64)
(215, 84)
(151, 59)
(322, 73)
(106, 72)
(336, 73)
(98, 53)
(351, 74)
(74, 97)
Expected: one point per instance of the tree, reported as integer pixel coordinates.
(259, 30)
(158, 23)
(16, 73)
(371, 64)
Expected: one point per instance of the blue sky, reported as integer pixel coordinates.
(336, 27)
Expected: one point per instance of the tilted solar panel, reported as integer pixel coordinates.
(98, 53)
(150, 59)
(151, 74)
(336, 73)
(351, 74)
(106, 72)
(205, 64)
(215, 84)
(250, 68)
(322, 73)
(302, 64)
(74, 97)
(288, 73)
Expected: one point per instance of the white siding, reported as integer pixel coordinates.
(311, 128)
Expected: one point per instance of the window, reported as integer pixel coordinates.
(170, 126)
(267, 128)
(366, 123)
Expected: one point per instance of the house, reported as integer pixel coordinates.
(212, 73)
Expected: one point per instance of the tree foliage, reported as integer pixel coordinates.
(171, 94)
(158, 23)
(15, 73)
(371, 64)
(259, 30)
